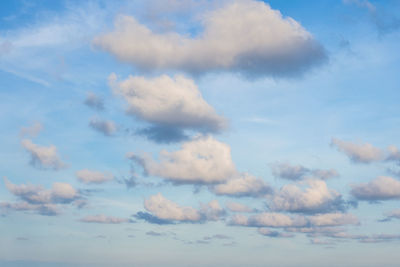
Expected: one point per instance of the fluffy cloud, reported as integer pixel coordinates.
(94, 101)
(101, 218)
(212, 211)
(168, 103)
(36, 198)
(238, 207)
(43, 157)
(93, 177)
(244, 36)
(108, 128)
(315, 197)
(381, 188)
(165, 209)
(203, 160)
(360, 153)
(333, 219)
(268, 219)
(244, 186)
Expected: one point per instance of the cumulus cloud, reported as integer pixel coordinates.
(381, 188)
(238, 207)
(165, 209)
(108, 128)
(333, 219)
(268, 219)
(167, 103)
(243, 186)
(101, 218)
(37, 198)
(32, 130)
(212, 211)
(243, 36)
(93, 177)
(315, 197)
(43, 157)
(202, 160)
(94, 101)
(359, 153)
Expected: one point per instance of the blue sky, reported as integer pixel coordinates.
(200, 133)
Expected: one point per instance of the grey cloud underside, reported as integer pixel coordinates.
(94, 101)
(106, 127)
(298, 172)
(243, 36)
(163, 134)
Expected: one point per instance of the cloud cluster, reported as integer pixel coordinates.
(39, 199)
(381, 188)
(314, 197)
(243, 36)
(93, 177)
(164, 211)
(202, 160)
(43, 157)
(366, 153)
(168, 103)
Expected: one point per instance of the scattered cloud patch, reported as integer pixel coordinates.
(273, 233)
(381, 188)
(244, 186)
(101, 218)
(43, 157)
(94, 101)
(93, 177)
(359, 153)
(107, 128)
(238, 207)
(289, 172)
(32, 130)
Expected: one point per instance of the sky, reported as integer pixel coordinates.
(199, 133)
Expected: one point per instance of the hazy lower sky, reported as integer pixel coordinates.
(200, 133)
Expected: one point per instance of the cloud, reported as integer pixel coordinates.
(152, 233)
(289, 172)
(316, 197)
(243, 186)
(324, 174)
(108, 128)
(163, 134)
(212, 211)
(101, 218)
(238, 207)
(243, 36)
(165, 209)
(273, 233)
(93, 177)
(394, 214)
(359, 153)
(268, 219)
(381, 188)
(94, 101)
(43, 157)
(333, 219)
(217, 236)
(43, 201)
(151, 218)
(202, 160)
(32, 130)
(167, 103)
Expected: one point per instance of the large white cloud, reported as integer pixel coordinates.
(315, 196)
(168, 102)
(202, 160)
(246, 36)
(43, 157)
(381, 188)
(245, 185)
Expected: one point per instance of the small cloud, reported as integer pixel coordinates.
(43, 157)
(93, 177)
(31, 131)
(107, 128)
(101, 218)
(381, 188)
(94, 101)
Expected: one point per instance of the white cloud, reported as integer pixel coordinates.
(246, 36)
(108, 128)
(268, 219)
(245, 185)
(93, 177)
(43, 157)
(165, 209)
(101, 218)
(361, 153)
(165, 101)
(315, 197)
(212, 211)
(238, 207)
(381, 188)
(202, 160)
(333, 219)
